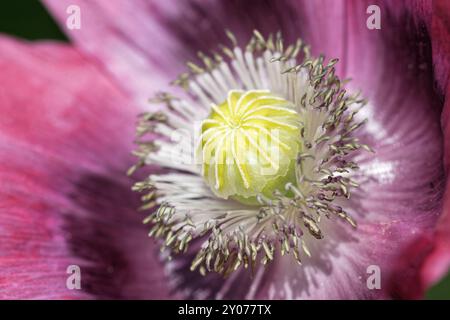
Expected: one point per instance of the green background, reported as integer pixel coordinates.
(28, 19)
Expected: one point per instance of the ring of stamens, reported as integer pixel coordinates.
(233, 235)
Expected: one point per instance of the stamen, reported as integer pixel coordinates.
(249, 103)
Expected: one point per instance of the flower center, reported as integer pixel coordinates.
(285, 153)
(249, 145)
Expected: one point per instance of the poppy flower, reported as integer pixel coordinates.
(294, 232)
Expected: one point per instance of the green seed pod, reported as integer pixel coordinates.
(249, 145)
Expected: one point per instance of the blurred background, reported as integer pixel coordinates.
(28, 19)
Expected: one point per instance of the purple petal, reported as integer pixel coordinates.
(65, 137)
(127, 39)
(392, 67)
(437, 264)
(402, 199)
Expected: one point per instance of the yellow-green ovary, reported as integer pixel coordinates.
(249, 145)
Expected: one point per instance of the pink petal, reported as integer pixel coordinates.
(65, 137)
(440, 35)
(128, 40)
(437, 263)
(392, 67)
(402, 203)
(400, 210)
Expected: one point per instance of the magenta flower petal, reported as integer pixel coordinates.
(440, 33)
(402, 198)
(71, 138)
(437, 264)
(394, 71)
(64, 197)
(127, 39)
